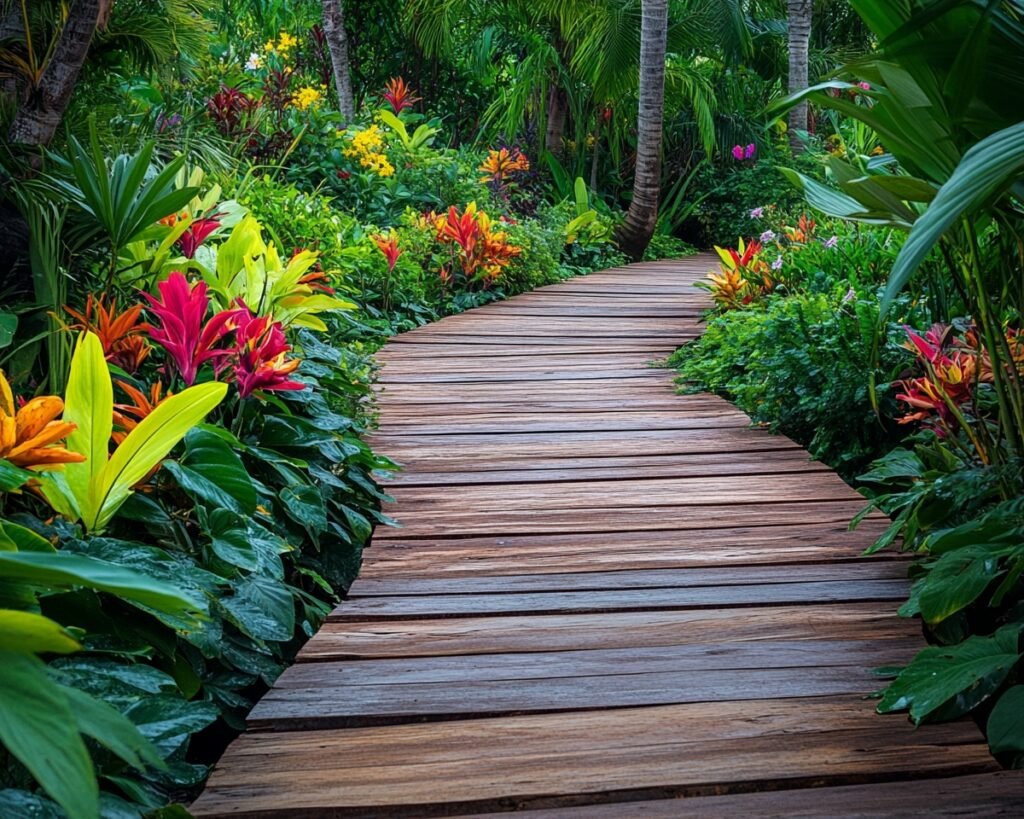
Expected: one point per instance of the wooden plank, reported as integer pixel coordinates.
(390, 692)
(630, 579)
(518, 633)
(455, 557)
(553, 760)
(660, 599)
(623, 519)
(980, 796)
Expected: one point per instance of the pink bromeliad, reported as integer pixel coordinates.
(181, 311)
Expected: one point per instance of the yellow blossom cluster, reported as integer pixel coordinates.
(285, 43)
(308, 97)
(366, 147)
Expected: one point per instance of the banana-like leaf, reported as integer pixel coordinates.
(986, 172)
(840, 205)
(147, 445)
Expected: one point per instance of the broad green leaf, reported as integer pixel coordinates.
(985, 172)
(147, 444)
(213, 471)
(25, 632)
(1006, 722)
(168, 721)
(13, 477)
(63, 570)
(939, 675)
(111, 729)
(23, 539)
(263, 608)
(88, 403)
(39, 729)
(956, 581)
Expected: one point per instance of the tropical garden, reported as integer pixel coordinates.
(215, 211)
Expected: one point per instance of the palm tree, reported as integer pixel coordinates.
(799, 13)
(636, 232)
(50, 82)
(337, 42)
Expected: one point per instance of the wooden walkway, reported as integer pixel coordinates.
(607, 600)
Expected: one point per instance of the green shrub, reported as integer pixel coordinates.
(801, 365)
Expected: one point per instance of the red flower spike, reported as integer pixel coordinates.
(196, 234)
(399, 95)
(260, 362)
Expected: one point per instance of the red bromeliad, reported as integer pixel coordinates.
(181, 311)
(399, 95)
(260, 350)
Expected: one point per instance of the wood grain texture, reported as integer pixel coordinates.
(604, 600)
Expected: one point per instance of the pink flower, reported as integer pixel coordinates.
(180, 311)
(750, 151)
(864, 86)
(737, 153)
(196, 234)
(260, 350)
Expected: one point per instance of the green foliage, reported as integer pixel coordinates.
(798, 364)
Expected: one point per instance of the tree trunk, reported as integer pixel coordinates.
(337, 41)
(558, 108)
(636, 232)
(40, 113)
(799, 45)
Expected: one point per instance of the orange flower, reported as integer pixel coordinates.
(500, 164)
(29, 436)
(120, 334)
(388, 245)
(398, 95)
(128, 416)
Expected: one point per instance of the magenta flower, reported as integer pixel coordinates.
(196, 234)
(181, 310)
(260, 350)
(750, 152)
(864, 86)
(737, 153)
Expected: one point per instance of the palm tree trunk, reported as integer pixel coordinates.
(799, 45)
(337, 42)
(636, 232)
(558, 108)
(39, 114)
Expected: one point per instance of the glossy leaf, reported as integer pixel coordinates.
(1006, 722)
(38, 728)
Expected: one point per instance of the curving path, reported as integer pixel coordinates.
(605, 597)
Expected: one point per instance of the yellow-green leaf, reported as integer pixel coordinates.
(148, 444)
(88, 403)
(25, 632)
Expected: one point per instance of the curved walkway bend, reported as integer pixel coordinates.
(607, 600)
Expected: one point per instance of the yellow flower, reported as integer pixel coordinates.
(307, 97)
(285, 42)
(29, 436)
(365, 147)
(268, 46)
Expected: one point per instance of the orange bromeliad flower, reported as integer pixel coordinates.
(120, 334)
(399, 95)
(29, 436)
(483, 253)
(803, 231)
(388, 245)
(128, 416)
(500, 164)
